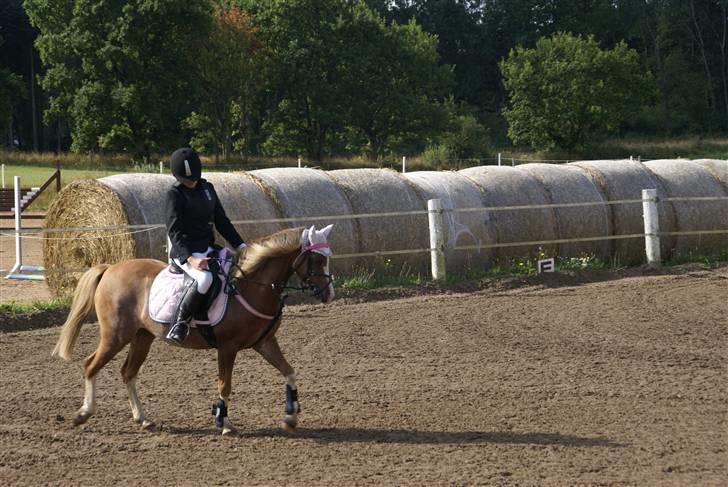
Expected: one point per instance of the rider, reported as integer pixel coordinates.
(192, 209)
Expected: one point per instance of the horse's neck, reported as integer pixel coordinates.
(277, 270)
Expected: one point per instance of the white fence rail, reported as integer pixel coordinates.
(435, 213)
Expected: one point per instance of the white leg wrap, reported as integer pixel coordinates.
(137, 410)
(89, 398)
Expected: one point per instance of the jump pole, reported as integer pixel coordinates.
(19, 267)
(436, 220)
(652, 227)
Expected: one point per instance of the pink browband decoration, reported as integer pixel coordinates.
(317, 246)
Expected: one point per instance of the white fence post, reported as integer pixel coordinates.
(499, 158)
(3, 176)
(437, 238)
(652, 227)
(161, 167)
(299, 162)
(404, 164)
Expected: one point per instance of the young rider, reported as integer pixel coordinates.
(191, 211)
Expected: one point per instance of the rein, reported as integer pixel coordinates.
(231, 289)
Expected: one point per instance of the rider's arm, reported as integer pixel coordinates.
(175, 227)
(223, 225)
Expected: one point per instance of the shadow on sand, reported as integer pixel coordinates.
(362, 435)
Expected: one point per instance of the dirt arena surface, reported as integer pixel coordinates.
(620, 382)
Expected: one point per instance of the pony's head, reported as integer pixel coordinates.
(312, 265)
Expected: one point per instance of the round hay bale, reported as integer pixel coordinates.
(303, 193)
(717, 167)
(506, 186)
(132, 199)
(682, 178)
(461, 229)
(625, 180)
(68, 253)
(382, 191)
(569, 184)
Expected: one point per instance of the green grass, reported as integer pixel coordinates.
(35, 176)
(20, 308)
(698, 258)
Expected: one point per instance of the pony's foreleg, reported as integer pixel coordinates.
(271, 351)
(138, 351)
(225, 363)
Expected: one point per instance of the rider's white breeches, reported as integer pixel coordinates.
(203, 278)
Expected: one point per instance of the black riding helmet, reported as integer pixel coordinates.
(186, 165)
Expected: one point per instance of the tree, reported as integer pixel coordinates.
(567, 89)
(119, 71)
(12, 91)
(343, 75)
(230, 72)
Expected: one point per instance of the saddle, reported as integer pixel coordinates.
(170, 284)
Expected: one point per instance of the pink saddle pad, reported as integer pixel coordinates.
(167, 290)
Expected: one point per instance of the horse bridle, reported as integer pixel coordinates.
(306, 282)
(306, 252)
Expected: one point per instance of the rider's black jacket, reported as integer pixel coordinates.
(190, 216)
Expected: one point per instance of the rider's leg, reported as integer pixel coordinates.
(191, 302)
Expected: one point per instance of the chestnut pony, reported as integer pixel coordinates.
(119, 295)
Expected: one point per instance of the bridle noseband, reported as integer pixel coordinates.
(306, 252)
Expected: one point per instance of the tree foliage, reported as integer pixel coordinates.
(229, 68)
(12, 91)
(350, 76)
(119, 71)
(567, 90)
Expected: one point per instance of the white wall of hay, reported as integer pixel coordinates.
(462, 229)
(682, 178)
(502, 186)
(138, 199)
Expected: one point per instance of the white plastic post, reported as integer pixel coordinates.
(437, 238)
(161, 167)
(18, 245)
(299, 162)
(652, 227)
(404, 164)
(499, 158)
(3, 170)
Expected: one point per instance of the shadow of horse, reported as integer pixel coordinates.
(366, 435)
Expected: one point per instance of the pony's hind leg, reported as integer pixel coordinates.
(138, 350)
(105, 351)
(271, 351)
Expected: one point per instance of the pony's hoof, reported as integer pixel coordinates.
(149, 426)
(81, 418)
(229, 431)
(290, 423)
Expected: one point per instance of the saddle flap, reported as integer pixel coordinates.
(168, 289)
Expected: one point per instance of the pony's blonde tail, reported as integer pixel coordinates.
(83, 303)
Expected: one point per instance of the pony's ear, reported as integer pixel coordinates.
(326, 230)
(311, 234)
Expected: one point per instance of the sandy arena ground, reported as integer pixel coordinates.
(621, 382)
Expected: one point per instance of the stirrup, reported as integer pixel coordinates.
(178, 333)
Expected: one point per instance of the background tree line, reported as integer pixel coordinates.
(345, 77)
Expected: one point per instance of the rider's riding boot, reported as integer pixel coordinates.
(187, 308)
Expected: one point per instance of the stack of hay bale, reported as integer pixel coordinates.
(304, 195)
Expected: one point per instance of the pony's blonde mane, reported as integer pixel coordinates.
(253, 256)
